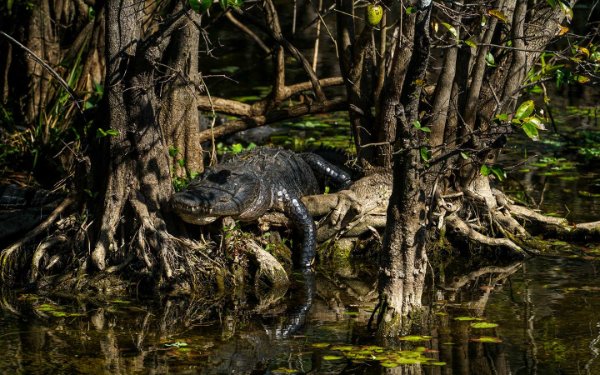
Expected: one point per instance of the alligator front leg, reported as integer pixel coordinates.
(296, 211)
(325, 169)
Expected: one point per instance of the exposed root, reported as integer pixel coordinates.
(8, 254)
(554, 226)
(39, 253)
(465, 231)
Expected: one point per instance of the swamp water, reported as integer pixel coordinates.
(541, 316)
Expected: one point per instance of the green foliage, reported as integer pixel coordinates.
(494, 170)
(201, 6)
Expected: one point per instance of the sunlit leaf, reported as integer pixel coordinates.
(498, 14)
(536, 121)
(451, 29)
(489, 59)
(471, 43)
(531, 130)
(332, 357)
(525, 109)
(415, 338)
(320, 345)
(498, 172)
(584, 50)
(374, 14)
(468, 318)
(567, 10)
(582, 79)
(483, 325)
(595, 57)
(177, 344)
(487, 339)
(485, 170)
(563, 30)
(342, 348)
(284, 370)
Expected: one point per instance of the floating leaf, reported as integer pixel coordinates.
(467, 318)
(389, 364)
(332, 357)
(415, 338)
(342, 348)
(436, 363)
(487, 339)
(284, 370)
(177, 344)
(483, 325)
(525, 109)
(498, 14)
(320, 345)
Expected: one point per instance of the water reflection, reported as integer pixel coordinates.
(319, 330)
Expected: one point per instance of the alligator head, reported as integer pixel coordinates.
(218, 193)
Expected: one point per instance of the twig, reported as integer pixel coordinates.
(53, 72)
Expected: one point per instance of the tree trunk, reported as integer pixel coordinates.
(138, 186)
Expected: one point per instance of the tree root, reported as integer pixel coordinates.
(466, 231)
(9, 254)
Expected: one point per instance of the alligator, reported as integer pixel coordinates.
(22, 208)
(251, 183)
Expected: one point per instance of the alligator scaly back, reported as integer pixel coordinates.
(246, 186)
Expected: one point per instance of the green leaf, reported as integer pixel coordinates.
(469, 318)
(524, 110)
(498, 172)
(417, 124)
(425, 154)
(332, 357)
(567, 10)
(483, 325)
(200, 6)
(487, 339)
(552, 3)
(236, 3)
(410, 10)
(531, 130)
(535, 121)
(498, 14)
(224, 4)
(464, 155)
(485, 170)
(195, 5)
(471, 43)
(451, 29)
(502, 117)
(489, 59)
